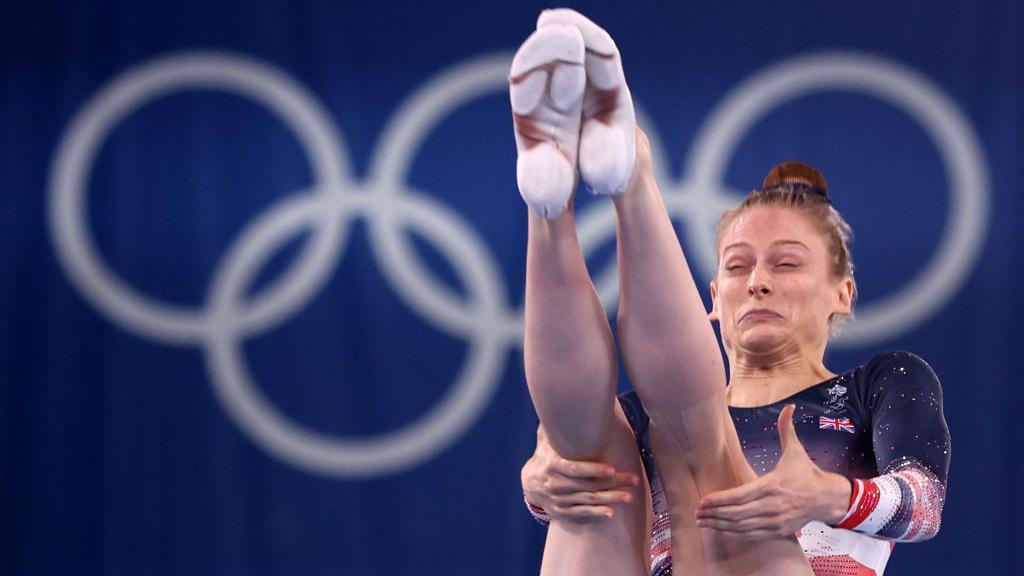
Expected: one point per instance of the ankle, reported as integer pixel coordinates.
(642, 189)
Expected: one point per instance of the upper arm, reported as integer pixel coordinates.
(908, 423)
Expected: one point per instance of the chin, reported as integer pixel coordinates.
(761, 340)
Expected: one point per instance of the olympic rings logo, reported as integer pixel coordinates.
(389, 207)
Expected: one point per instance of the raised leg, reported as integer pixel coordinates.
(568, 348)
(673, 360)
(571, 372)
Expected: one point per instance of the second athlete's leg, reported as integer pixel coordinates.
(568, 349)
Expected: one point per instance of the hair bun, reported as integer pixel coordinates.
(797, 176)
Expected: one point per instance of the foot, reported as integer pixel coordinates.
(607, 151)
(546, 88)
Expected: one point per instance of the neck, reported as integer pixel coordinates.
(757, 380)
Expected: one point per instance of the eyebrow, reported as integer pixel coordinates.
(776, 243)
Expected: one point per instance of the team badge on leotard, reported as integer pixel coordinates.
(836, 401)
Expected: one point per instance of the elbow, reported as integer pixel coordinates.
(926, 535)
(926, 529)
(932, 529)
(925, 507)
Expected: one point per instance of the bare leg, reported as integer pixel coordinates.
(571, 372)
(673, 360)
(569, 353)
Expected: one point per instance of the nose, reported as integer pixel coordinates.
(759, 284)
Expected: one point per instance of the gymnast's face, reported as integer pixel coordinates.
(773, 293)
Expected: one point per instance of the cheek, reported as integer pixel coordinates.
(729, 293)
(799, 295)
(812, 301)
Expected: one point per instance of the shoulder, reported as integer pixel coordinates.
(898, 372)
(898, 365)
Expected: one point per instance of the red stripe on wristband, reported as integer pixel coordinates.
(867, 504)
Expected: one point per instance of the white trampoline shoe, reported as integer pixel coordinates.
(607, 150)
(546, 88)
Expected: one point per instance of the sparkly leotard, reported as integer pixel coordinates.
(880, 423)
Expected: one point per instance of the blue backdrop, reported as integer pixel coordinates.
(261, 263)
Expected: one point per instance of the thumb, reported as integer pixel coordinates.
(787, 433)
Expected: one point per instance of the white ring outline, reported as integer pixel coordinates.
(392, 159)
(381, 454)
(74, 244)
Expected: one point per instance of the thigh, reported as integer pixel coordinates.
(617, 545)
(697, 452)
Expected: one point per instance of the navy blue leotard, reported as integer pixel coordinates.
(880, 424)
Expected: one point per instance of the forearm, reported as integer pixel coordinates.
(903, 506)
(834, 497)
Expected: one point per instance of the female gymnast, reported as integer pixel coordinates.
(879, 446)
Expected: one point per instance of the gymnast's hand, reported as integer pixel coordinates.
(783, 500)
(573, 490)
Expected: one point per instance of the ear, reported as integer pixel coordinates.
(713, 315)
(844, 294)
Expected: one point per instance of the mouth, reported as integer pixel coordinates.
(760, 314)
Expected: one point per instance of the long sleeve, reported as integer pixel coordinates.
(912, 450)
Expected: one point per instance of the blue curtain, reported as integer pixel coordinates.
(261, 263)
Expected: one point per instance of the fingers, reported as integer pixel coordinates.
(551, 474)
(787, 433)
(759, 519)
(750, 529)
(587, 505)
(582, 469)
(746, 525)
(580, 513)
(755, 509)
(760, 534)
(571, 500)
(559, 484)
(735, 496)
(625, 479)
(599, 498)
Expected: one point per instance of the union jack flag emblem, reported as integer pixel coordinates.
(843, 424)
